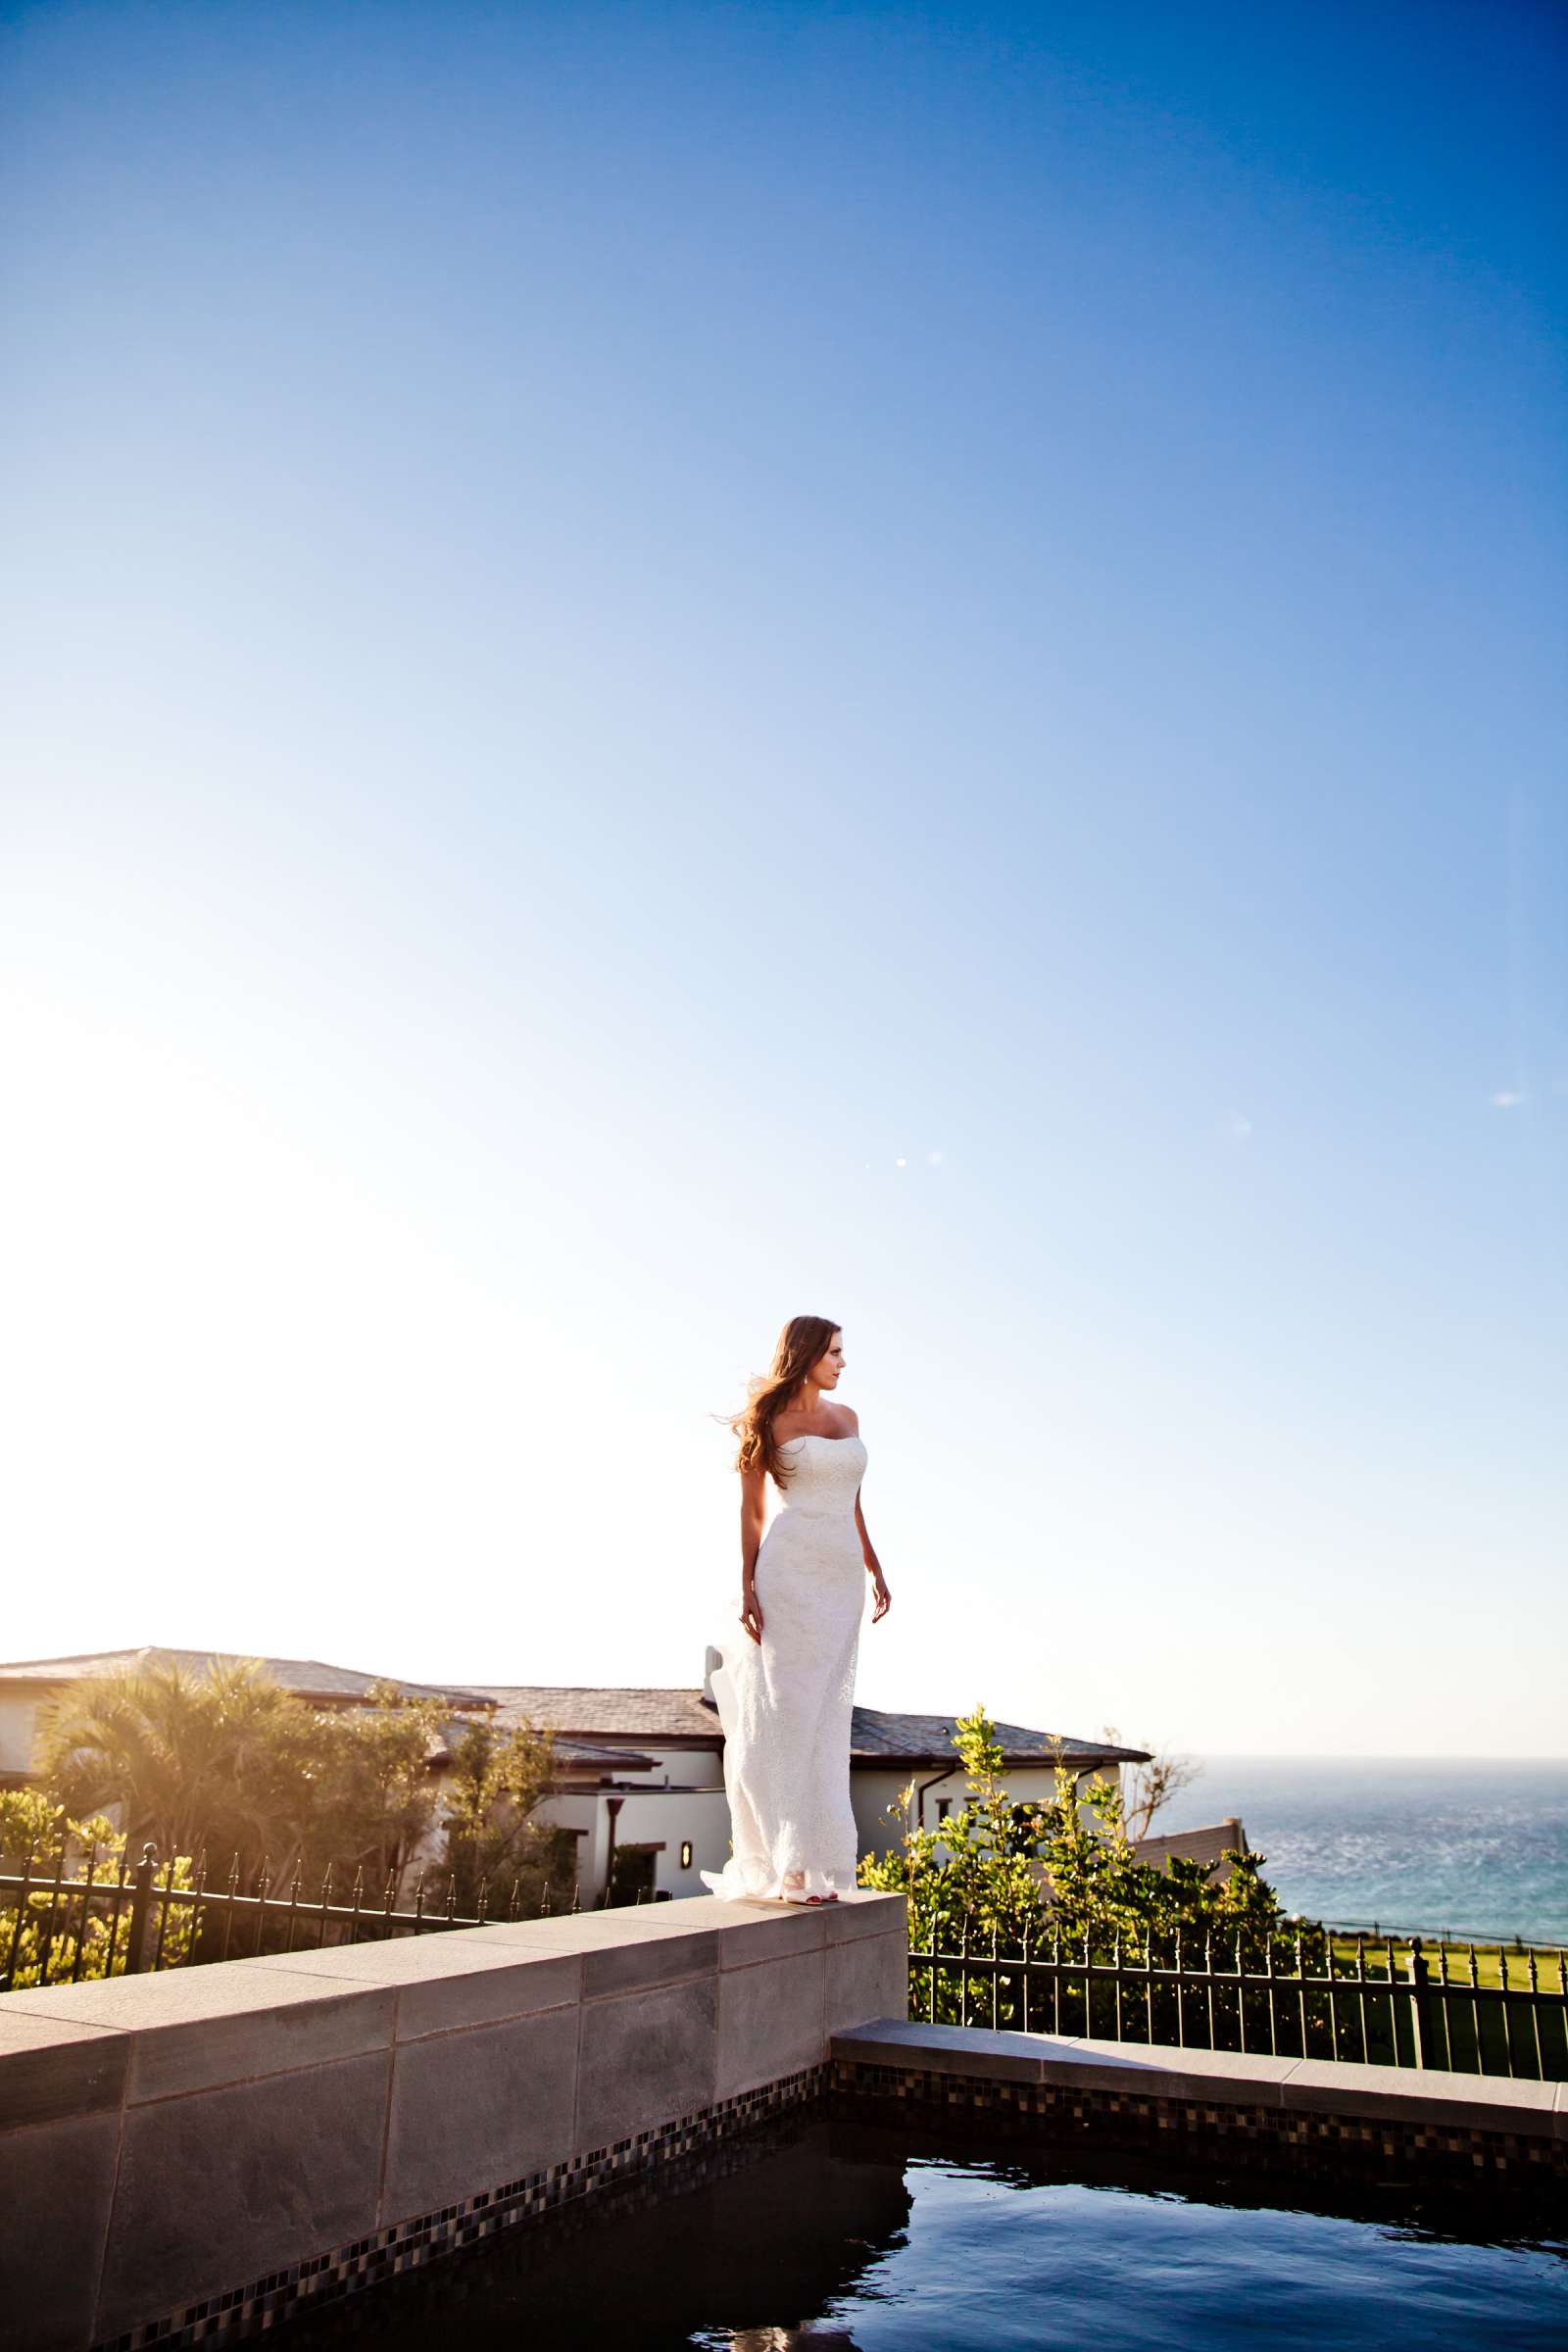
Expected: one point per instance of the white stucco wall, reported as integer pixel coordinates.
(702, 1768)
(19, 1723)
(646, 1818)
(692, 1808)
(872, 1791)
(704, 1818)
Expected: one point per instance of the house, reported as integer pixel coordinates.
(638, 1783)
(28, 1689)
(638, 1773)
(647, 1827)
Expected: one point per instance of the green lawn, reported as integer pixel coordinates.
(1490, 1962)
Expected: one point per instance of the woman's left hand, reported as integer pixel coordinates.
(884, 1598)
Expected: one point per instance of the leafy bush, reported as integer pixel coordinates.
(227, 1762)
(995, 1873)
(272, 1794)
(498, 1776)
(42, 1939)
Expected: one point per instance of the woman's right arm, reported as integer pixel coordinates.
(753, 1513)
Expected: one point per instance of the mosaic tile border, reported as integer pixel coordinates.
(1297, 2140)
(691, 2147)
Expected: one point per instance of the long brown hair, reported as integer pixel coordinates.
(804, 1341)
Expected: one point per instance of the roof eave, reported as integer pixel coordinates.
(1083, 1762)
(630, 1740)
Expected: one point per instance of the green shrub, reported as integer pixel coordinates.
(42, 1938)
(995, 1872)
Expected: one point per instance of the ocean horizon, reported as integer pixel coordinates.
(1473, 1846)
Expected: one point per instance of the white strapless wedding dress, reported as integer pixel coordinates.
(785, 1704)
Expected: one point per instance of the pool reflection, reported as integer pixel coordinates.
(746, 2264)
(860, 2235)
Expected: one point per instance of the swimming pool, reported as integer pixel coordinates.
(847, 2233)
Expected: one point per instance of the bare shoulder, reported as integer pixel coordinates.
(853, 1418)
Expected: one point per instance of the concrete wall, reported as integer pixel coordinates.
(1204, 1844)
(172, 2138)
(1326, 2117)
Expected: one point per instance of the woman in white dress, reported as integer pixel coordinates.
(784, 1677)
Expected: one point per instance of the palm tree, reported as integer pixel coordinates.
(224, 1761)
(191, 1761)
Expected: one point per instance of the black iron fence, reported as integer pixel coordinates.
(1486, 2012)
(58, 1928)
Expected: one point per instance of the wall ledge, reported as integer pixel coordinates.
(1312, 2113)
(183, 2156)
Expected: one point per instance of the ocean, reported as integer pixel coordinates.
(1407, 1843)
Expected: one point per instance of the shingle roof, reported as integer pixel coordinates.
(585, 1752)
(592, 1712)
(876, 1734)
(589, 1713)
(582, 1756)
(309, 1678)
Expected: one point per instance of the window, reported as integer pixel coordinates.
(633, 1876)
(1025, 1838)
(943, 1807)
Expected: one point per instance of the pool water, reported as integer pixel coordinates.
(851, 2234)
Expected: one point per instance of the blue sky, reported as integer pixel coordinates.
(673, 666)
